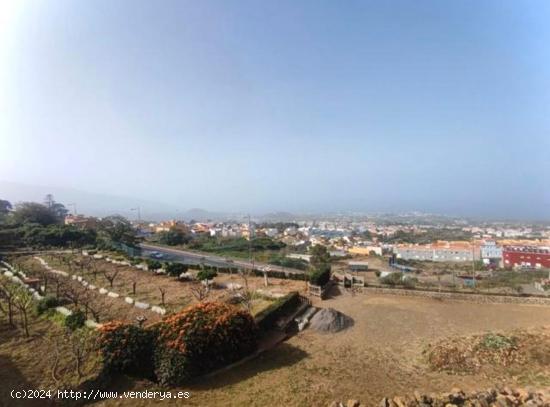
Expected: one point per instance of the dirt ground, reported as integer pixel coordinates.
(148, 288)
(381, 355)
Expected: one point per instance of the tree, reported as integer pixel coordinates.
(8, 291)
(116, 228)
(320, 265)
(82, 347)
(199, 291)
(134, 284)
(32, 212)
(162, 295)
(58, 210)
(24, 303)
(248, 295)
(5, 207)
(175, 269)
(111, 275)
(319, 256)
(59, 283)
(173, 237)
(74, 293)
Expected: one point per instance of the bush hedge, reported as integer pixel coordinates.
(126, 348)
(197, 340)
(200, 339)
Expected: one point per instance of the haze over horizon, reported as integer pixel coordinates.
(291, 106)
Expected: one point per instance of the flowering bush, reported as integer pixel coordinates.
(202, 338)
(194, 341)
(126, 349)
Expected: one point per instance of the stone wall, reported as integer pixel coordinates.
(495, 397)
(470, 297)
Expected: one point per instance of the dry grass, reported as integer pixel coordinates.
(381, 355)
(28, 363)
(148, 286)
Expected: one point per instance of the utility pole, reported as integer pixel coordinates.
(138, 209)
(74, 207)
(473, 266)
(251, 258)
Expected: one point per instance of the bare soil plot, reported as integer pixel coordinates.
(149, 287)
(381, 355)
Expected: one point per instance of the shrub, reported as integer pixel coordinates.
(320, 276)
(206, 274)
(175, 269)
(497, 341)
(173, 237)
(126, 348)
(153, 264)
(200, 339)
(410, 282)
(289, 262)
(391, 279)
(46, 303)
(75, 320)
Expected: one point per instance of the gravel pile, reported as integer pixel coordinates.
(328, 320)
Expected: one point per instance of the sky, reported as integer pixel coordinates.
(300, 106)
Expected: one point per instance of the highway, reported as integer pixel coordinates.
(193, 257)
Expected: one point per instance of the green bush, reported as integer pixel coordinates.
(206, 274)
(175, 269)
(75, 320)
(497, 341)
(320, 276)
(153, 264)
(298, 264)
(173, 237)
(46, 303)
(127, 348)
(171, 366)
(392, 279)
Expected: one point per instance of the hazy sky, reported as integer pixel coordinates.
(282, 105)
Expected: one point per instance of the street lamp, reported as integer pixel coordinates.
(138, 212)
(74, 207)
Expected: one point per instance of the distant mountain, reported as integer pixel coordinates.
(278, 217)
(202, 215)
(88, 203)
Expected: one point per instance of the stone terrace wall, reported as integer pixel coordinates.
(480, 298)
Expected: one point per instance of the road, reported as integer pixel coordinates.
(193, 257)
